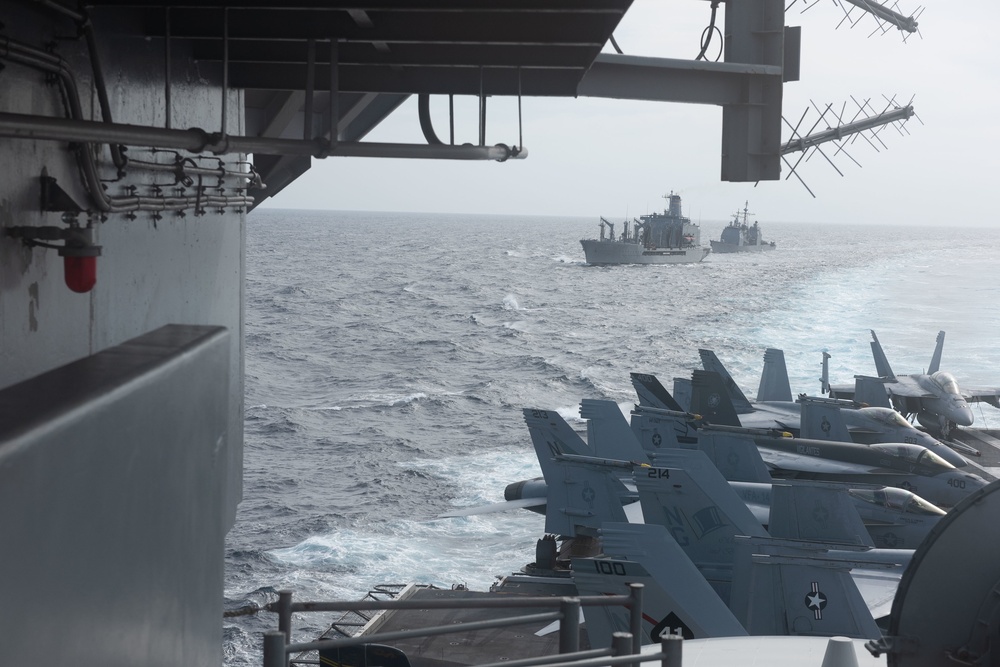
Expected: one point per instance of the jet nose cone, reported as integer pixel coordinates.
(950, 455)
(963, 416)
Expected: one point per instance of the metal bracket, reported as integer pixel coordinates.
(54, 198)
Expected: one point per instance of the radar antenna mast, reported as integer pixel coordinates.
(885, 14)
(866, 123)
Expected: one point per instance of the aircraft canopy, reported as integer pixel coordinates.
(887, 416)
(897, 499)
(946, 381)
(916, 454)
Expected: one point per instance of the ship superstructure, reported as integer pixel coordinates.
(742, 236)
(656, 238)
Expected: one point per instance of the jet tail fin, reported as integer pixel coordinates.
(936, 358)
(676, 598)
(711, 363)
(774, 385)
(822, 421)
(781, 590)
(870, 391)
(580, 496)
(552, 436)
(656, 431)
(685, 493)
(710, 399)
(682, 393)
(608, 432)
(817, 512)
(736, 457)
(881, 362)
(653, 394)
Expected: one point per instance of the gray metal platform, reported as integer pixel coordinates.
(987, 441)
(480, 646)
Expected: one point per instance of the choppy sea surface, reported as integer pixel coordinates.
(389, 356)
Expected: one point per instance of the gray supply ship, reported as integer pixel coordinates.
(740, 236)
(657, 238)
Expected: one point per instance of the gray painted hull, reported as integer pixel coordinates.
(719, 246)
(617, 252)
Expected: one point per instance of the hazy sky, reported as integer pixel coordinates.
(592, 157)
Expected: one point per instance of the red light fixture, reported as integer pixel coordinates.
(80, 258)
(80, 273)
(78, 251)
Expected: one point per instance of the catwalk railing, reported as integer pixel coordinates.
(278, 647)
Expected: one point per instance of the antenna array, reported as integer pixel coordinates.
(885, 15)
(867, 123)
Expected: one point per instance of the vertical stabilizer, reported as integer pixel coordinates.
(656, 432)
(653, 394)
(676, 598)
(774, 385)
(682, 393)
(821, 421)
(936, 358)
(882, 367)
(712, 363)
(817, 512)
(608, 432)
(781, 590)
(824, 379)
(582, 496)
(699, 509)
(551, 437)
(735, 456)
(870, 391)
(710, 399)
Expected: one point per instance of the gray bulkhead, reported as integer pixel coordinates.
(118, 527)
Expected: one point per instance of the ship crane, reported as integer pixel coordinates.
(609, 224)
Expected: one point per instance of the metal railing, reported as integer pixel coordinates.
(625, 645)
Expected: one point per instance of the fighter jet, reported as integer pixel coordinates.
(687, 504)
(866, 424)
(909, 466)
(889, 517)
(934, 397)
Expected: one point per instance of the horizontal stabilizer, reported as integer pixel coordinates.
(505, 506)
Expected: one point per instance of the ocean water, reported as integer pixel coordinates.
(389, 356)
